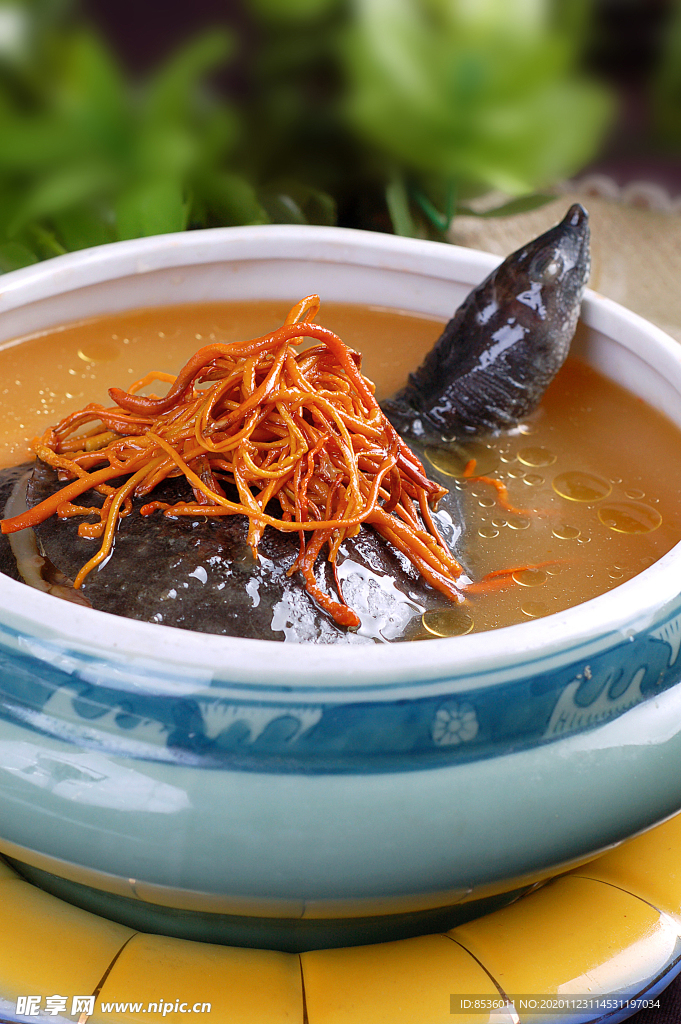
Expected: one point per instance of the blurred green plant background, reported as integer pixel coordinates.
(383, 114)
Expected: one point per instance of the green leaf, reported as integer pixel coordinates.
(319, 207)
(83, 228)
(151, 208)
(170, 90)
(288, 201)
(229, 199)
(397, 200)
(164, 150)
(47, 244)
(36, 142)
(281, 208)
(482, 92)
(217, 134)
(11, 195)
(14, 255)
(293, 10)
(86, 156)
(94, 88)
(666, 86)
(58, 191)
(439, 220)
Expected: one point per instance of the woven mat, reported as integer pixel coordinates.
(636, 253)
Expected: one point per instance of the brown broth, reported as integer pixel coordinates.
(622, 449)
(628, 455)
(46, 376)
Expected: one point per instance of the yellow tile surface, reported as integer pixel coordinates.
(649, 866)
(573, 935)
(51, 948)
(243, 986)
(405, 982)
(590, 931)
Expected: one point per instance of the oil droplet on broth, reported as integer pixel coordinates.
(534, 609)
(530, 577)
(635, 494)
(577, 486)
(98, 352)
(536, 457)
(518, 522)
(533, 479)
(452, 461)
(629, 517)
(488, 532)
(447, 621)
(566, 532)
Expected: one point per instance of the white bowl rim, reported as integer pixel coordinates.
(612, 617)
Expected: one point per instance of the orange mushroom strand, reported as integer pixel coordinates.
(301, 428)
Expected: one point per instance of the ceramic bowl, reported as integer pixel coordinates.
(299, 795)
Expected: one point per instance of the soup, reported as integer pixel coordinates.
(591, 476)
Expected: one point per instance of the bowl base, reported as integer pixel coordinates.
(289, 935)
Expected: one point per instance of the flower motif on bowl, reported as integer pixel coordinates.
(454, 723)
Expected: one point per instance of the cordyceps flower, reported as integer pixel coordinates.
(281, 424)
